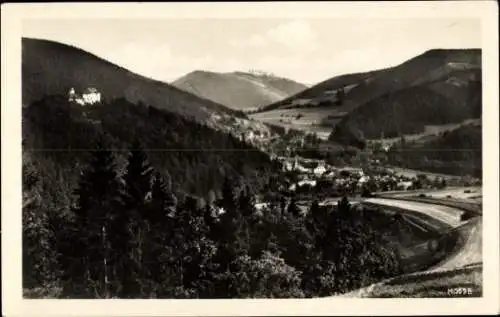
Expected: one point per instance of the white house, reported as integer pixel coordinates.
(260, 206)
(91, 96)
(307, 182)
(319, 170)
(74, 97)
(72, 94)
(404, 185)
(363, 179)
(301, 169)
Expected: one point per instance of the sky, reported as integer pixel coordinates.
(306, 50)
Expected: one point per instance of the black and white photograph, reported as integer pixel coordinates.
(252, 157)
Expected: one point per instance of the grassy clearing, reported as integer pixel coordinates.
(305, 119)
(414, 173)
(42, 292)
(430, 132)
(464, 282)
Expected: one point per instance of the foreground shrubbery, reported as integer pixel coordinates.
(101, 222)
(129, 236)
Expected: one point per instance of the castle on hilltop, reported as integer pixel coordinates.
(89, 96)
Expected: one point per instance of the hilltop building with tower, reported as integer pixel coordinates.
(89, 96)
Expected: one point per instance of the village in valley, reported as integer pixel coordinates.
(222, 184)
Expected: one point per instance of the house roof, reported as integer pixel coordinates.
(90, 91)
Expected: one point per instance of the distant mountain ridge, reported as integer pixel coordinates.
(439, 86)
(238, 90)
(319, 89)
(361, 87)
(50, 68)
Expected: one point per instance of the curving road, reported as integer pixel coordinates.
(447, 215)
(468, 254)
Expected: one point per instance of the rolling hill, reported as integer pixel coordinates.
(409, 110)
(317, 91)
(455, 151)
(159, 115)
(58, 134)
(238, 90)
(440, 86)
(430, 66)
(50, 68)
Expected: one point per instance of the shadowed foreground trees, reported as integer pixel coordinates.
(130, 237)
(126, 231)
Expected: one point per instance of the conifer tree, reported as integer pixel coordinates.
(94, 211)
(246, 202)
(228, 199)
(230, 228)
(134, 209)
(163, 199)
(282, 205)
(160, 240)
(293, 208)
(39, 257)
(343, 205)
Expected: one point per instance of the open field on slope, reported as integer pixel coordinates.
(468, 198)
(469, 192)
(410, 173)
(305, 119)
(430, 132)
(458, 273)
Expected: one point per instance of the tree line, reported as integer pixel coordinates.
(129, 236)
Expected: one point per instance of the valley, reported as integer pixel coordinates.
(360, 185)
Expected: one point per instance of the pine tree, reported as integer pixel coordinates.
(39, 257)
(282, 205)
(159, 252)
(293, 208)
(135, 208)
(228, 199)
(96, 203)
(343, 205)
(246, 202)
(193, 248)
(163, 199)
(230, 228)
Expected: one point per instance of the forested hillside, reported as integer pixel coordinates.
(409, 110)
(457, 152)
(59, 133)
(50, 68)
(113, 208)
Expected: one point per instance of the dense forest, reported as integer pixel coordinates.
(131, 237)
(408, 111)
(457, 152)
(109, 213)
(57, 134)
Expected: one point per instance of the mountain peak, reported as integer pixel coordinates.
(238, 89)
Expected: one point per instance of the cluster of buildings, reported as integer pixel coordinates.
(311, 172)
(89, 96)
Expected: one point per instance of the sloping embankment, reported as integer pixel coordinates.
(458, 271)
